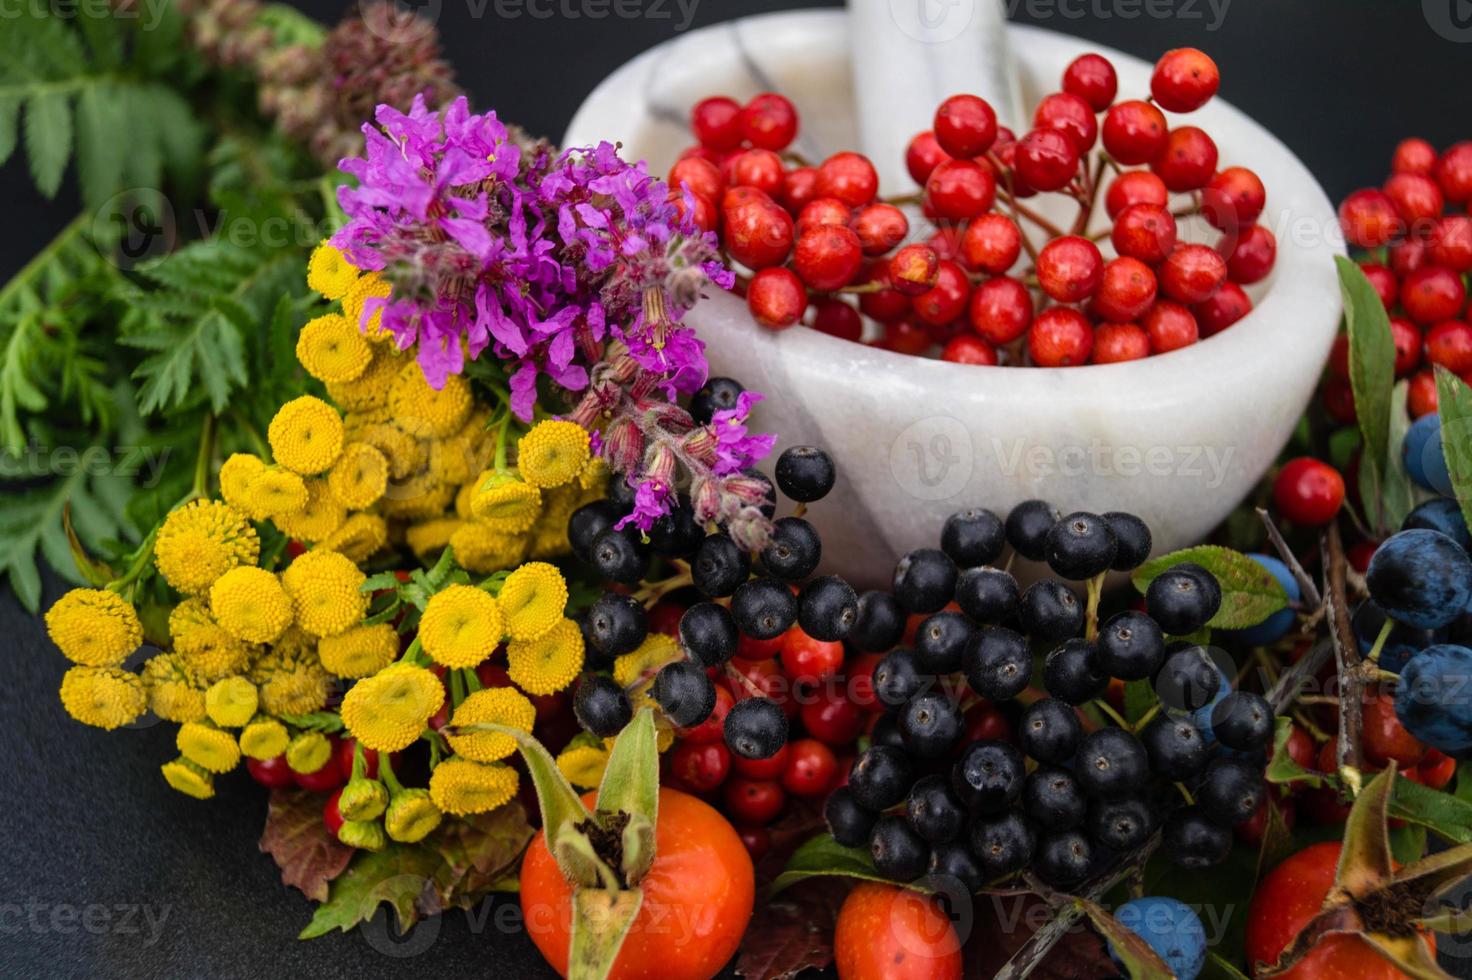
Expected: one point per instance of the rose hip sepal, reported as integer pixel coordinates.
(1382, 906)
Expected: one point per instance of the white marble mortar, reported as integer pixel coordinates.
(1179, 439)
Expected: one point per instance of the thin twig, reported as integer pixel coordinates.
(1346, 654)
(1305, 584)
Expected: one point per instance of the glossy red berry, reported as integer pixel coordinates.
(1070, 268)
(913, 269)
(829, 716)
(945, 302)
(811, 768)
(1135, 133)
(1433, 293)
(1369, 218)
(880, 227)
(959, 190)
(828, 257)
(1047, 159)
(776, 298)
(946, 240)
(991, 244)
(769, 121)
(1185, 80)
(1171, 326)
(1407, 338)
(1192, 273)
(969, 349)
(1254, 254)
(1449, 344)
(1414, 156)
(1406, 255)
(1188, 160)
(1126, 290)
(923, 155)
(1417, 199)
(884, 304)
(716, 123)
(761, 169)
(700, 766)
(1146, 232)
(907, 336)
(1308, 491)
(1421, 395)
(850, 177)
(758, 234)
(1338, 401)
(1117, 342)
(701, 176)
(752, 801)
(1060, 337)
(1001, 310)
(965, 126)
(1450, 243)
(769, 768)
(1233, 199)
(837, 319)
(1454, 173)
(1229, 304)
(1071, 115)
(699, 210)
(714, 727)
(799, 187)
(331, 816)
(807, 660)
(1134, 187)
(823, 211)
(271, 773)
(1386, 284)
(1092, 78)
(344, 751)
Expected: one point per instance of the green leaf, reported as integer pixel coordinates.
(825, 856)
(1282, 769)
(478, 852)
(1454, 405)
(1408, 843)
(1250, 593)
(317, 721)
(104, 142)
(1444, 813)
(396, 875)
(1371, 366)
(601, 919)
(9, 125)
(48, 139)
(1142, 962)
(1396, 493)
(631, 786)
(1218, 966)
(1139, 698)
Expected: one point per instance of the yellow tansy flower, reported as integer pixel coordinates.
(172, 693)
(207, 746)
(103, 697)
(411, 816)
(306, 435)
(461, 626)
(550, 662)
(368, 390)
(360, 475)
(204, 648)
(201, 541)
(428, 537)
(365, 835)
(308, 752)
(462, 787)
(324, 587)
(405, 454)
(231, 702)
(329, 272)
(480, 549)
(354, 303)
(275, 491)
(416, 498)
(387, 712)
(505, 502)
(552, 453)
(594, 477)
(250, 604)
(532, 599)
(189, 779)
(359, 652)
(263, 738)
(583, 765)
(422, 411)
(363, 799)
(319, 519)
(94, 627)
(657, 650)
(331, 349)
(236, 475)
(289, 677)
(491, 706)
(358, 538)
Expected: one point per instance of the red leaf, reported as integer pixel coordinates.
(308, 856)
(794, 931)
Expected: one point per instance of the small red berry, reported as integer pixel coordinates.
(945, 302)
(969, 349)
(1126, 290)
(912, 270)
(1449, 344)
(344, 751)
(1433, 293)
(991, 244)
(713, 729)
(959, 190)
(811, 768)
(1171, 326)
(753, 801)
(1233, 199)
(984, 720)
(1407, 337)
(271, 773)
(1406, 255)
(756, 840)
(701, 176)
(906, 337)
(1308, 491)
(1192, 273)
(1230, 304)
(1069, 114)
(1146, 232)
(1135, 187)
(1060, 337)
(965, 126)
(1417, 198)
(776, 298)
(324, 780)
(716, 123)
(828, 257)
(807, 660)
(1414, 156)
(769, 121)
(758, 234)
(923, 155)
(1369, 218)
(750, 650)
(1253, 257)
(1421, 396)
(880, 227)
(799, 187)
(1047, 159)
(1185, 80)
(1339, 401)
(946, 240)
(1001, 310)
(1135, 133)
(831, 717)
(700, 211)
(1450, 243)
(1070, 268)
(1339, 357)
(1092, 78)
(761, 169)
(331, 815)
(1454, 173)
(701, 766)
(1188, 160)
(837, 319)
(769, 768)
(734, 197)
(823, 211)
(1116, 342)
(1385, 282)
(850, 177)
(885, 305)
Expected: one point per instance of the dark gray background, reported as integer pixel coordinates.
(97, 842)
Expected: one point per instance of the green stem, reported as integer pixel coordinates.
(360, 760)
(472, 680)
(1374, 655)
(205, 457)
(386, 773)
(1105, 707)
(257, 443)
(501, 441)
(457, 689)
(1146, 717)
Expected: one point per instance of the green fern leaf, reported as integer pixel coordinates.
(9, 125)
(48, 139)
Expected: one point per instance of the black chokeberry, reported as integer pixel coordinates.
(953, 860)
(1111, 763)
(805, 473)
(1208, 580)
(617, 624)
(880, 624)
(1027, 528)
(1180, 600)
(934, 811)
(589, 521)
(1132, 537)
(1003, 843)
(1242, 720)
(719, 567)
(899, 853)
(676, 534)
(1080, 546)
(1050, 612)
(896, 679)
(1121, 825)
(1053, 798)
(619, 555)
(1231, 790)
(881, 777)
(793, 551)
(1050, 731)
(849, 823)
(886, 731)
(1189, 679)
(715, 395)
(601, 706)
(988, 776)
(1064, 858)
(620, 492)
(1072, 672)
(709, 633)
(827, 609)
(764, 608)
(973, 537)
(931, 725)
(997, 663)
(684, 692)
(756, 728)
(987, 595)
(939, 642)
(1131, 646)
(1175, 747)
(925, 580)
(1192, 840)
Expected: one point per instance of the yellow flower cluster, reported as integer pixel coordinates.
(386, 712)
(201, 541)
(94, 627)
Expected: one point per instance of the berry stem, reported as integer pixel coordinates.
(1306, 584)
(899, 200)
(1091, 613)
(1106, 708)
(654, 591)
(1346, 654)
(1019, 208)
(1374, 655)
(1086, 206)
(1186, 794)
(1146, 718)
(752, 691)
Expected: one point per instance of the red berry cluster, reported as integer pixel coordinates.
(978, 286)
(1418, 233)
